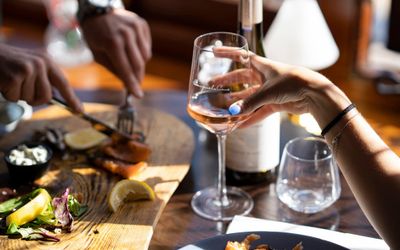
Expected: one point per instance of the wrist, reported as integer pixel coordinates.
(326, 102)
(93, 8)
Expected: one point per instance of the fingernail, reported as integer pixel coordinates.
(235, 108)
(81, 108)
(140, 93)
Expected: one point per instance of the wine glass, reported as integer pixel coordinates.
(209, 98)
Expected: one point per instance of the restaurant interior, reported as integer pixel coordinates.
(367, 70)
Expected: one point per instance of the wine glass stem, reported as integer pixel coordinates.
(223, 198)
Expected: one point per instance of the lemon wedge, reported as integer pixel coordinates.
(30, 210)
(84, 138)
(129, 190)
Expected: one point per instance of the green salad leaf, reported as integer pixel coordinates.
(75, 207)
(12, 229)
(54, 216)
(45, 218)
(13, 204)
(36, 234)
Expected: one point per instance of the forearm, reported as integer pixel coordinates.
(371, 169)
(373, 172)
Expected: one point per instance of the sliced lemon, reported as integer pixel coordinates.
(129, 190)
(84, 138)
(30, 210)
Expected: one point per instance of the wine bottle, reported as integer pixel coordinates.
(252, 153)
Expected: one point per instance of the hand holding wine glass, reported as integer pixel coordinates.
(209, 98)
(282, 87)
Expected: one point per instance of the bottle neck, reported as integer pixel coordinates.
(251, 24)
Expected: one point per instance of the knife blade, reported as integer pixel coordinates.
(96, 123)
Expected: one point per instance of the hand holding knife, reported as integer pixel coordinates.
(96, 123)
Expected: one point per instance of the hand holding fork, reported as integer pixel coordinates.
(126, 116)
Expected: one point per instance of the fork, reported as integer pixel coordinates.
(126, 116)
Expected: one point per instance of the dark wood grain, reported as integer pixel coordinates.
(179, 225)
(171, 142)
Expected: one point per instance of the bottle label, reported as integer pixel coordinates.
(251, 13)
(257, 11)
(246, 14)
(256, 148)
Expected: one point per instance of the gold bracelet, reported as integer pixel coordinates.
(335, 140)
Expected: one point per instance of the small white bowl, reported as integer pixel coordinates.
(10, 114)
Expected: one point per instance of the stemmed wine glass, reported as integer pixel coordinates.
(209, 98)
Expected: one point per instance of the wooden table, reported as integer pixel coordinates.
(179, 225)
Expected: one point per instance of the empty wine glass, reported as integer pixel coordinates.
(308, 179)
(208, 103)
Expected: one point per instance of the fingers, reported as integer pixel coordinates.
(27, 74)
(234, 53)
(102, 58)
(244, 93)
(148, 41)
(268, 67)
(143, 38)
(259, 115)
(121, 42)
(235, 77)
(123, 68)
(263, 65)
(135, 56)
(27, 92)
(13, 92)
(58, 80)
(141, 30)
(43, 87)
(138, 48)
(284, 91)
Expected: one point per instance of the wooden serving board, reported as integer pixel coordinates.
(132, 226)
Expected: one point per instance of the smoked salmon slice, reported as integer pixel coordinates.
(126, 170)
(129, 151)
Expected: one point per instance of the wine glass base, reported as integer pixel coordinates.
(205, 203)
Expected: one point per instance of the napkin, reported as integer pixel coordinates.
(352, 241)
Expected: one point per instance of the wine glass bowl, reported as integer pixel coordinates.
(210, 95)
(215, 83)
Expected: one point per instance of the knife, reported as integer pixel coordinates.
(96, 123)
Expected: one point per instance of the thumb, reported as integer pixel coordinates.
(281, 91)
(252, 102)
(248, 105)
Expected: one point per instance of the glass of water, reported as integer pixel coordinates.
(308, 178)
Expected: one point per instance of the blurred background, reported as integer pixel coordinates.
(365, 31)
(357, 26)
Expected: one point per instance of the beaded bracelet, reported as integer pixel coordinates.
(337, 119)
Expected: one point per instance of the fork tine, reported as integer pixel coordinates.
(125, 121)
(126, 116)
(127, 124)
(131, 122)
(119, 121)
